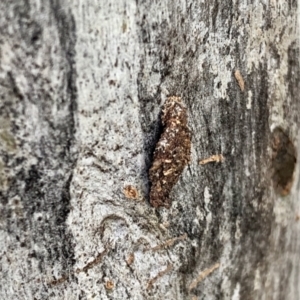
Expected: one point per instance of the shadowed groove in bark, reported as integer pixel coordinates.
(234, 128)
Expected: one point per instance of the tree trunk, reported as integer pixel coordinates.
(83, 84)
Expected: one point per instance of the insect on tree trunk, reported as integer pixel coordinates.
(84, 212)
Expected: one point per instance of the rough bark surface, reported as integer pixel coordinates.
(82, 85)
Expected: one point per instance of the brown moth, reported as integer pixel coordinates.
(172, 152)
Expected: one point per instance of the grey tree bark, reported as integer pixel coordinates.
(82, 85)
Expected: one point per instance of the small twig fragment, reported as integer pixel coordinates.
(164, 226)
(168, 243)
(131, 192)
(109, 285)
(203, 275)
(130, 259)
(59, 280)
(213, 158)
(239, 79)
(93, 263)
(159, 275)
(88, 266)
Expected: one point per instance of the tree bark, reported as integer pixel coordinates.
(83, 84)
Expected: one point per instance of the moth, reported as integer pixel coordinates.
(172, 152)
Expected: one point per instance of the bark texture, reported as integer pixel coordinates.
(82, 85)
